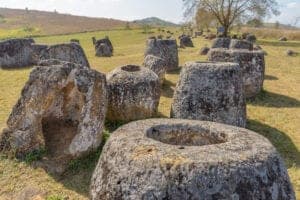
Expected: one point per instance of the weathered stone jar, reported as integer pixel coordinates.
(210, 91)
(221, 42)
(16, 53)
(157, 65)
(252, 64)
(165, 49)
(134, 93)
(241, 44)
(62, 109)
(188, 159)
(104, 47)
(71, 52)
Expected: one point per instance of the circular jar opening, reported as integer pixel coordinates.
(186, 135)
(131, 68)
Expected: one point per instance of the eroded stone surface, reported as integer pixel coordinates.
(16, 53)
(222, 42)
(157, 65)
(211, 92)
(71, 52)
(182, 159)
(165, 49)
(204, 51)
(61, 109)
(38, 50)
(103, 50)
(252, 64)
(134, 93)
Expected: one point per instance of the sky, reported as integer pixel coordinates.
(171, 10)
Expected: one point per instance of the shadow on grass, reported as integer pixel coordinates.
(168, 89)
(270, 99)
(15, 68)
(271, 78)
(280, 140)
(279, 43)
(176, 71)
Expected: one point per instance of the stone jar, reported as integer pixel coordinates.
(187, 159)
(134, 93)
(165, 49)
(252, 64)
(157, 65)
(211, 91)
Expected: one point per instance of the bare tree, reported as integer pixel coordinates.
(204, 19)
(227, 12)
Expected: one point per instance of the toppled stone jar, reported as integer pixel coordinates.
(165, 49)
(71, 52)
(210, 91)
(187, 159)
(62, 109)
(252, 64)
(16, 53)
(157, 65)
(134, 93)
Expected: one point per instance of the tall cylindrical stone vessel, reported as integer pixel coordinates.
(133, 93)
(165, 49)
(210, 91)
(188, 159)
(252, 64)
(157, 65)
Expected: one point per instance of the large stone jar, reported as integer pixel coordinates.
(252, 64)
(134, 93)
(186, 159)
(210, 91)
(165, 49)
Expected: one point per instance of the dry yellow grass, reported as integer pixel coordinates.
(275, 113)
(272, 33)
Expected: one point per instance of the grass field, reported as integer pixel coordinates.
(275, 113)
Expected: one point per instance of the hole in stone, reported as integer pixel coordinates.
(131, 68)
(58, 135)
(60, 121)
(185, 135)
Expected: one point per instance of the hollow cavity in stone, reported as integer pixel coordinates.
(185, 135)
(131, 68)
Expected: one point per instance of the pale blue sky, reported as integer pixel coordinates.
(133, 9)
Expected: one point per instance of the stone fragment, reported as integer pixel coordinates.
(210, 91)
(134, 93)
(187, 159)
(290, 52)
(283, 39)
(157, 65)
(204, 51)
(252, 64)
(165, 49)
(62, 109)
(71, 52)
